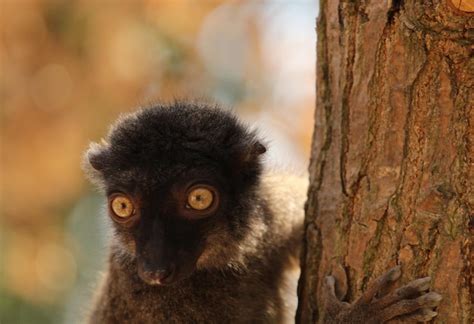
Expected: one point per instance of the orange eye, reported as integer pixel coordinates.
(122, 206)
(200, 198)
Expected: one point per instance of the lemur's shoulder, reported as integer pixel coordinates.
(285, 196)
(284, 191)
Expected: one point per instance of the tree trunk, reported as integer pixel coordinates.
(392, 158)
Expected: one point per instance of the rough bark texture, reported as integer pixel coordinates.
(391, 174)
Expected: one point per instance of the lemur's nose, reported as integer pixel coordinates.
(153, 276)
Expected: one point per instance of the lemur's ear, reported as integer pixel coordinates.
(97, 156)
(253, 151)
(245, 161)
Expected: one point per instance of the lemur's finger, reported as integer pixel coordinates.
(339, 273)
(331, 303)
(413, 289)
(379, 284)
(329, 287)
(407, 306)
(422, 315)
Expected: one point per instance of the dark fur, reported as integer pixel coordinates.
(150, 154)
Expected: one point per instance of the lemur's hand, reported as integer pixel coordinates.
(409, 303)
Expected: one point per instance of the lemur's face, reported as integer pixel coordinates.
(171, 226)
(179, 184)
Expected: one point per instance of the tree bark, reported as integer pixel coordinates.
(391, 172)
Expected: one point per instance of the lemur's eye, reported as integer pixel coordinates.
(200, 198)
(121, 206)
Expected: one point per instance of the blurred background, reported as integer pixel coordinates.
(69, 68)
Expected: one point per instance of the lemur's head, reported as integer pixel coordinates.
(180, 182)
